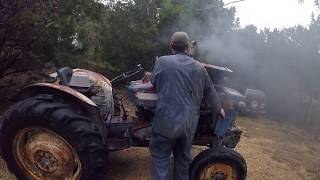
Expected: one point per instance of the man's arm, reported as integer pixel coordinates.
(211, 95)
(156, 71)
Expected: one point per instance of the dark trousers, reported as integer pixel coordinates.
(161, 149)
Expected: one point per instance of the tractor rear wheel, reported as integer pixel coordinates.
(218, 164)
(46, 137)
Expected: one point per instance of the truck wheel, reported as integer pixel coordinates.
(45, 137)
(218, 164)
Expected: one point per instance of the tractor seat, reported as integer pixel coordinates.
(71, 78)
(65, 75)
(76, 80)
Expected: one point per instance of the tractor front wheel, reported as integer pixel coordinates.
(218, 164)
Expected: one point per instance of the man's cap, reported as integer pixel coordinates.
(180, 39)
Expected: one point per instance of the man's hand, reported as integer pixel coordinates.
(222, 114)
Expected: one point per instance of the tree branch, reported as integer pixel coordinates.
(214, 6)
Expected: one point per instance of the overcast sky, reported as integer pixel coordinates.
(274, 13)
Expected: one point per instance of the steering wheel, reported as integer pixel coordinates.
(127, 75)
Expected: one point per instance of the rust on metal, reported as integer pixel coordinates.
(93, 74)
(65, 89)
(219, 171)
(103, 88)
(42, 155)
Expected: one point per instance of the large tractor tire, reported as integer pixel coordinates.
(218, 164)
(46, 137)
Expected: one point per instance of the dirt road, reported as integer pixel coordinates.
(272, 150)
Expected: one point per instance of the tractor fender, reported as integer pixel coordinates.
(58, 89)
(66, 93)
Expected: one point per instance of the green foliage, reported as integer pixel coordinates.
(114, 36)
(39, 31)
(129, 32)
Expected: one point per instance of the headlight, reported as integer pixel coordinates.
(241, 105)
(254, 104)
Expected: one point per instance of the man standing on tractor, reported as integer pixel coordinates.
(181, 84)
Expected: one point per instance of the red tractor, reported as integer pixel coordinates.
(65, 129)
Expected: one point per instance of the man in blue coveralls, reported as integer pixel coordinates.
(181, 83)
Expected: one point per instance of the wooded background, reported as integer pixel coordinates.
(113, 36)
